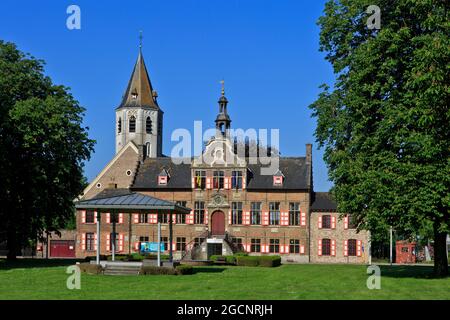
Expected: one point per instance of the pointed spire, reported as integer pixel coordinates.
(223, 120)
(139, 91)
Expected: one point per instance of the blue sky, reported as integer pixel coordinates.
(267, 51)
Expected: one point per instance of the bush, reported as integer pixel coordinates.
(269, 261)
(184, 269)
(247, 261)
(241, 254)
(254, 261)
(93, 258)
(154, 270)
(90, 268)
(223, 259)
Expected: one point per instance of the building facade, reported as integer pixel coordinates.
(235, 205)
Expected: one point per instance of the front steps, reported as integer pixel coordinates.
(122, 269)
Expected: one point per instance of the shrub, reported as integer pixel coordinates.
(269, 261)
(223, 259)
(155, 256)
(241, 254)
(93, 258)
(230, 259)
(254, 261)
(184, 269)
(247, 261)
(90, 268)
(154, 270)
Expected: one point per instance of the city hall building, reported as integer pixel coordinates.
(221, 207)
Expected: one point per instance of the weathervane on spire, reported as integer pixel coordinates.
(222, 82)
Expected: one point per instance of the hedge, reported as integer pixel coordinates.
(90, 268)
(184, 269)
(179, 270)
(154, 270)
(262, 261)
(225, 259)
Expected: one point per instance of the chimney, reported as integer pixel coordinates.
(308, 153)
(309, 165)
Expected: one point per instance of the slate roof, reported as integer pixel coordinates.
(140, 85)
(128, 201)
(295, 171)
(147, 174)
(323, 202)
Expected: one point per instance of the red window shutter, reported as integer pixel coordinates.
(229, 217)
(83, 216)
(108, 218)
(135, 218)
(193, 182)
(243, 182)
(120, 217)
(333, 222)
(95, 241)
(302, 249)
(108, 242)
(95, 216)
(136, 246)
(346, 248)
(121, 237)
(320, 222)
(303, 219)
(153, 218)
(208, 182)
(333, 248)
(358, 248)
(83, 241)
(206, 217)
(319, 249)
(265, 218)
(346, 222)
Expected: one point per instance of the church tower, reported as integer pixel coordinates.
(138, 117)
(223, 120)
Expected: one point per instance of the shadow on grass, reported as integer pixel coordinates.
(208, 270)
(35, 263)
(418, 272)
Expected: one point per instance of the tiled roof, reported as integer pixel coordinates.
(323, 202)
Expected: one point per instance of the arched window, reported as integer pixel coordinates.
(119, 125)
(148, 125)
(132, 127)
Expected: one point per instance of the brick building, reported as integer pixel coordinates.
(234, 205)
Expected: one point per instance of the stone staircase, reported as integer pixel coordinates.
(122, 269)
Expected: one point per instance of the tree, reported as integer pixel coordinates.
(42, 149)
(385, 123)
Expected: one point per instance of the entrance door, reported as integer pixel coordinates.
(218, 223)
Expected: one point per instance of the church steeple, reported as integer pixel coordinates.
(139, 91)
(139, 118)
(223, 121)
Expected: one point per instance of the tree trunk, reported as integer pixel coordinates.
(11, 242)
(440, 253)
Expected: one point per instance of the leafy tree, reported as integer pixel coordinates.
(385, 123)
(42, 149)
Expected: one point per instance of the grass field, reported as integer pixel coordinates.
(40, 279)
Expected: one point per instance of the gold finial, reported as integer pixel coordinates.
(140, 39)
(222, 82)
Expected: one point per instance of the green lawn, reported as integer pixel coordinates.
(34, 279)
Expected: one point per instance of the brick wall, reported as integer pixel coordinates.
(339, 234)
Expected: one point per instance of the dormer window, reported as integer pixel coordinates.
(134, 94)
(163, 178)
(278, 179)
